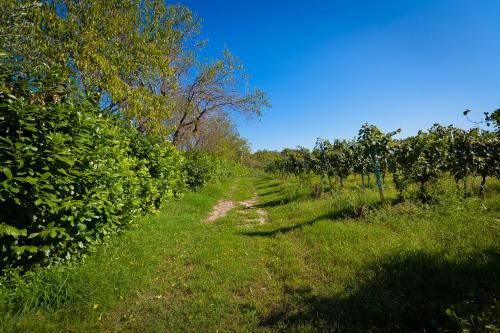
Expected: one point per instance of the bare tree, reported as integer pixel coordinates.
(206, 89)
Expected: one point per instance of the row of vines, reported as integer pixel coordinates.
(418, 159)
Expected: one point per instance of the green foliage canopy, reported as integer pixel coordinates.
(124, 51)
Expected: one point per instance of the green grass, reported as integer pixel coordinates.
(340, 262)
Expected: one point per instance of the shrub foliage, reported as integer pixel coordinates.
(201, 167)
(70, 176)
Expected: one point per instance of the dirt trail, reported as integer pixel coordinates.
(223, 207)
(250, 205)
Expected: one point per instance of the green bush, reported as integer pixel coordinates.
(201, 167)
(159, 169)
(71, 177)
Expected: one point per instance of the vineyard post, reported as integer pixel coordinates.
(377, 176)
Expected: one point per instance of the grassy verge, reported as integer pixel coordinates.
(339, 262)
(408, 267)
(73, 297)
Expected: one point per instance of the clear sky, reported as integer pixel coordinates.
(329, 66)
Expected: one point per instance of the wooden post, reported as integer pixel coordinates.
(377, 176)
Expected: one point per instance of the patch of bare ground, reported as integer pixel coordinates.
(250, 206)
(220, 210)
(223, 207)
(250, 203)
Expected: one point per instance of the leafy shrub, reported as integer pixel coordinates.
(70, 177)
(159, 169)
(201, 167)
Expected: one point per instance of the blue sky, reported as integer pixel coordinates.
(330, 66)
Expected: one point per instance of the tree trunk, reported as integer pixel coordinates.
(423, 192)
(465, 187)
(330, 182)
(379, 183)
(481, 187)
(175, 138)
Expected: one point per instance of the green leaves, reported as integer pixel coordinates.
(70, 177)
(200, 167)
(123, 48)
(9, 230)
(19, 250)
(7, 172)
(420, 159)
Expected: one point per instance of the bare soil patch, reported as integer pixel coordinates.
(220, 210)
(223, 207)
(250, 204)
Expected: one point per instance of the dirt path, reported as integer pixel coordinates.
(221, 209)
(248, 209)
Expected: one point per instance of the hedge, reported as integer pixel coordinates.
(71, 177)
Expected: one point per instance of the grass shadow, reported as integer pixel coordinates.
(262, 187)
(279, 202)
(411, 292)
(264, 180)
(275, 232)
(344, 213)
(270, 192)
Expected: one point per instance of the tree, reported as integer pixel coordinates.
(342, 159)
(421, 158)
(333, 160)
(296, 161)
(262, 158)
(375, 145)
(360, 162)
(462, 159)
(215, 87)
(17, 34)
(322, 155)
(218, 136)
(123, 52)
(487, 155)
(134, 58)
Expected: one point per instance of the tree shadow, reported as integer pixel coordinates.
(267, 186)
(275, 232)
(264, 180)
(270, 192)
(492, 187)
(411, 292)
(339, 214)
(282, 201)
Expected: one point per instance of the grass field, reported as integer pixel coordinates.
(340, 262)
